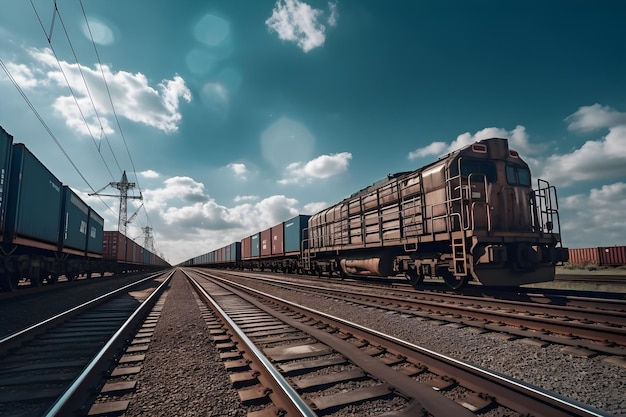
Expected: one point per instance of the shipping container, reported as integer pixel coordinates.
(235, 252)
(226, 250)
(266, 243)
(255, 246)
(246, 249)
(581, 256)
(34, 204)
(612, 255)
(111, 244)
(219, 256)
(96, 231)
(278, 240)
(295, 233)
(74, 223)
(6, 145)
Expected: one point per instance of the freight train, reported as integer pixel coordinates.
(47, 230)
(600, 256)
(471, 215)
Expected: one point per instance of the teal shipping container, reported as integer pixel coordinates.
(96, 233)
(235, 252)
(295, 233)
(255, 245)
(74, 222)
(6, 144)
(34, 205)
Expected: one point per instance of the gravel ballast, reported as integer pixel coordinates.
(182, 374)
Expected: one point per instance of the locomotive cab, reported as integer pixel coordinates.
(504, 225)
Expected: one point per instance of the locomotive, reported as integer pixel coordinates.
(47, 230)
(471, 215)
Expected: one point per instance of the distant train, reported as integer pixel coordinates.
(471, 215)
(600, 256)
(46, 230)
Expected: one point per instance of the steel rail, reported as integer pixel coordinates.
(291, 394)
(584, 328)
(532, 399)
(74, 396)
(20, 336)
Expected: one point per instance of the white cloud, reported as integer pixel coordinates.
(324, 166)
(593, 117)
(149, 174)
(596, 218)
(518, 140)
(334, 14)
(296, 21)
(132, 95)
(315, 207)
(239, 169)
(240, 198)
(24, 76)
(601, 158)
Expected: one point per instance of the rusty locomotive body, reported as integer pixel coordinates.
(472, 215)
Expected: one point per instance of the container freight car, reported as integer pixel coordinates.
(275, 248)
(37, 244)
(121, 255)
(471, 215)
(46, 229)
(601, 256)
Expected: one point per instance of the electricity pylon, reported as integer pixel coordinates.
(148, 241)
(123, 186)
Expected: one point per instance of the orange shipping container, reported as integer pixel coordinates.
(278, 240)
(266, 243)
(612, 255)
(580, 256)
(246, 249)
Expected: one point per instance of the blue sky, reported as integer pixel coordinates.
(233, 116)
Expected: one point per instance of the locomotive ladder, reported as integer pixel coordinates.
(459, 254)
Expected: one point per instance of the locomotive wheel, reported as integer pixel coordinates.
(414, 278)
(451, 280)
(9, 282)
(53, 279)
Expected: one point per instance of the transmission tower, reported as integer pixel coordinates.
(148, 241)
(123, 186)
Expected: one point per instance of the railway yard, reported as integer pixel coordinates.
(232, 343)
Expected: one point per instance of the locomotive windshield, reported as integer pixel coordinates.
(517, 175)
(479, 166)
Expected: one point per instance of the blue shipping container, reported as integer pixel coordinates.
(235, 251)
(294, 232)
(6, 145)
(74, 218)
(96, 232)
(34, 206)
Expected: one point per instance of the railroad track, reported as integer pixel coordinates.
(288, 357)
(51, 368)
(587, 327)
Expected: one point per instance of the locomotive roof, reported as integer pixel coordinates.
(391, 177)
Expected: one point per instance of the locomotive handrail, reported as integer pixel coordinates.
(472, 203)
